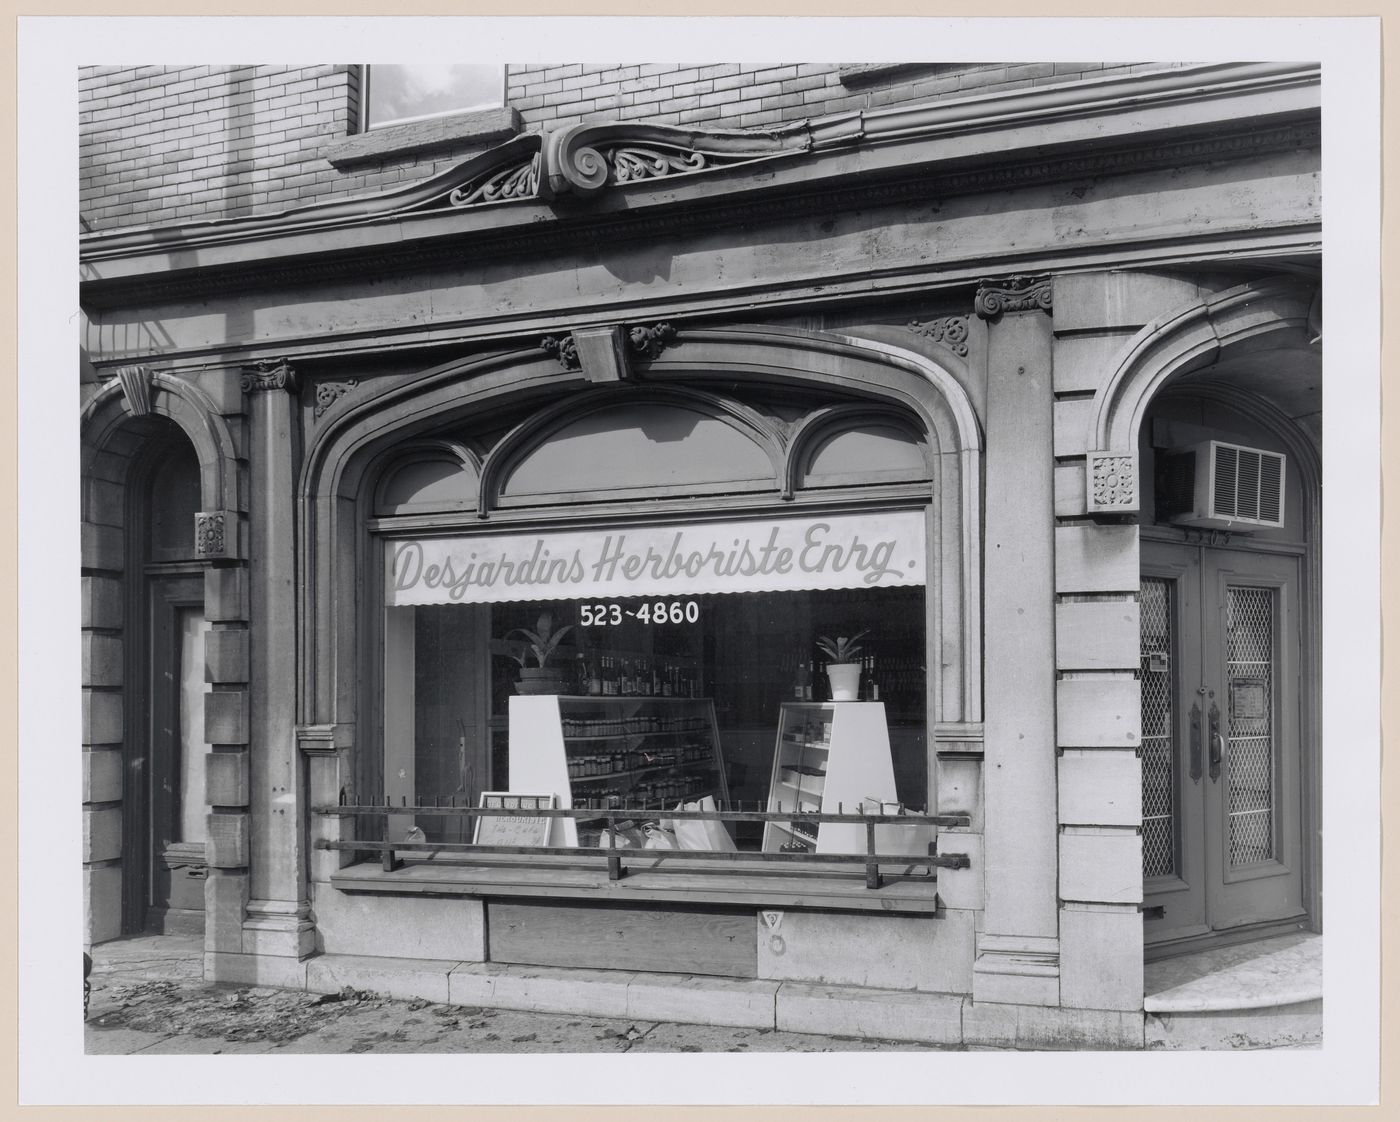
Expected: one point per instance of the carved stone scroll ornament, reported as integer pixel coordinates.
(1014, 294)
(631, 164)
(1112, 483)
(649, 342)
(951, 331)
(518, 181)
(270, 374)
(585, 158)
(563, 348)
(328, 393)
(136, 386)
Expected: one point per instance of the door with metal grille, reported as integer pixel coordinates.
(1220, 765)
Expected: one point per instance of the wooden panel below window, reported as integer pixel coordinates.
(671, 940)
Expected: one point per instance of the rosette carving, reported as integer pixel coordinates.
(1112, 482)
(1015, 294)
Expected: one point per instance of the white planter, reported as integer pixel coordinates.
(845, 680)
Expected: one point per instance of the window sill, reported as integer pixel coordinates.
(482, 128)
(648, 881)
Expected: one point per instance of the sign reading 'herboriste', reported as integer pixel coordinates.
(824, 551)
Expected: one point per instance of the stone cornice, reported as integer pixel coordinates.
(673, 221)
(606, 158)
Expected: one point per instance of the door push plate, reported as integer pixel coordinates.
(1196, 758)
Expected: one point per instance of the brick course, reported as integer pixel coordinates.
(162, 144)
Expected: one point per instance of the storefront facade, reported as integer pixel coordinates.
(1022, 384)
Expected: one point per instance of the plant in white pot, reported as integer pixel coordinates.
(542, 643)
(842, 667)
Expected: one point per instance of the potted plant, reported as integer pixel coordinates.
(542, 642)
(842, 668)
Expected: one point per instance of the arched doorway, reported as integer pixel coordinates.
(1219, 407)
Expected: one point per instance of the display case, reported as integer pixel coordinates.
(611, 752)
(830, 757)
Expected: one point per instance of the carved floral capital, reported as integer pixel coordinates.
(270, 374)
(1013, 294)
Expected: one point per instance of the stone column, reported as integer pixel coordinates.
(1018, 947)
(277, 924)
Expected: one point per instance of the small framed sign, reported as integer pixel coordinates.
(511, 829)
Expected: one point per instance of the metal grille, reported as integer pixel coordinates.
(1158, 743)
(1249, 653)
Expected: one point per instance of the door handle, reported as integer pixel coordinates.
(1196, 743)
(1217, 742)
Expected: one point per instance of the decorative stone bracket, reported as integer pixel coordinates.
(1112, 483)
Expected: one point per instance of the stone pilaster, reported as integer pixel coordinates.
(1018, 947)
(276, 921)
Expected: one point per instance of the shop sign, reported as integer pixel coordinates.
(819, 552)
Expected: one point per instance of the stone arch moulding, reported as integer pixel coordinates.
(1184, 340)
(529, 434)
(189, 407)
(331, 551)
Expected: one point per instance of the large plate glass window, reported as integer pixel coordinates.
(721, 617)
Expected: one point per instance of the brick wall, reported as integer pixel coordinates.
(160, 145)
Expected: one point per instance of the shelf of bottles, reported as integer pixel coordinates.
(619, 674)
(644, 751)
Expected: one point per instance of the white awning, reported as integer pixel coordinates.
(774, 555)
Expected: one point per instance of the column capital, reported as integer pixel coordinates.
(270, 374)
(1017, 293)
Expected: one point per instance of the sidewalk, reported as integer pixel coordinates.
(149, 996)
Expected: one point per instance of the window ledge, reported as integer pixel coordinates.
(861, 75)
(483, 127)
(649, 881)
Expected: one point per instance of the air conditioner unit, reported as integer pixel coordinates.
(1221, 486)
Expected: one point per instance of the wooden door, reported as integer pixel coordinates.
(177, 866)
(1221, 768)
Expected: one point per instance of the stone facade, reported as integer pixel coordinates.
(995, 247)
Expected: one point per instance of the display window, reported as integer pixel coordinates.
(647, 667)
(631, 602)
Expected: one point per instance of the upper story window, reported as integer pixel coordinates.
(394, 94)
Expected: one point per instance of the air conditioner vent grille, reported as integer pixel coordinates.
(1233, 486)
